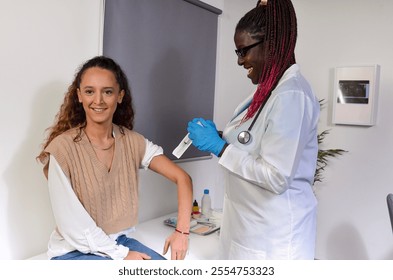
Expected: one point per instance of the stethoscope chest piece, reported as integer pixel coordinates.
(244, 137)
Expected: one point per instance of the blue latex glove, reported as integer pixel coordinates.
(205, 136)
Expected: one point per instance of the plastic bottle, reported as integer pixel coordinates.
(195, 210)
(206, 204)
(195, 207)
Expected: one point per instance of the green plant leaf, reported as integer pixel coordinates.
(324, 155)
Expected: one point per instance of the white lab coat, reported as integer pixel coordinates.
(269, 205)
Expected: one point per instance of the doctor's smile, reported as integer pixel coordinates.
(252, 58)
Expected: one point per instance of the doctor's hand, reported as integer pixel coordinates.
(204, 136)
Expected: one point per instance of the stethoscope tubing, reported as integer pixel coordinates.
(244, 137)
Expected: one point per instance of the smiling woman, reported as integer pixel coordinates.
(99, 94)
(268, 149)
(91, 160)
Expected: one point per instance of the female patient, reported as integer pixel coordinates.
(91, 160)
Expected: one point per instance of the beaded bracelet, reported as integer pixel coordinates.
(182, 232)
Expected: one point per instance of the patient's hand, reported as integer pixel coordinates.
(134, 255)
(179, 245)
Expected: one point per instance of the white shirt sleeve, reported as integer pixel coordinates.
(152, 150)
(73, 222)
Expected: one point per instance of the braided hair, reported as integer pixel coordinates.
(275, 22)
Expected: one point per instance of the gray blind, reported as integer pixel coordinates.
(168, 50)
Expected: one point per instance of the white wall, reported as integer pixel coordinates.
(353, 221)
(43, 42)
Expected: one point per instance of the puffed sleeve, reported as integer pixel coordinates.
(151, 151)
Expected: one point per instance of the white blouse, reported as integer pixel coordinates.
(79, 230)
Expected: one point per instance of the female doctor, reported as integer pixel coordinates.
(269, 148)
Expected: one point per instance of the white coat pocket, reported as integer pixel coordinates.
(239, 252)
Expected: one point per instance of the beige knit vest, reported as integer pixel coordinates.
(111, 198)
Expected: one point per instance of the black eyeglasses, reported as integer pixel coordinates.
(243, 51)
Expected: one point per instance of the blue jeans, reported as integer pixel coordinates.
(131, 243)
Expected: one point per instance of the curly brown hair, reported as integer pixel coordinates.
(71, 112)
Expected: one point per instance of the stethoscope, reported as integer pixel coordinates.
(244, 137)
